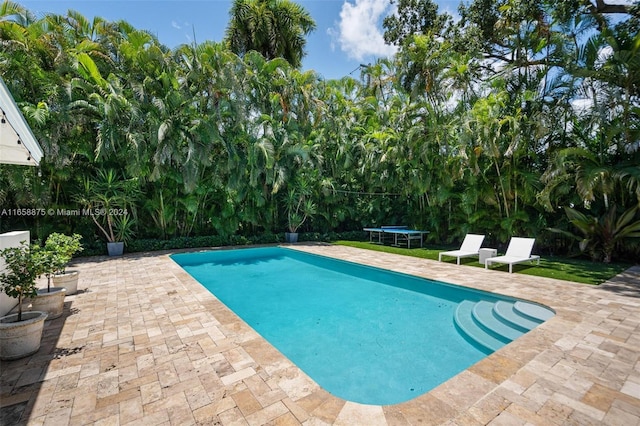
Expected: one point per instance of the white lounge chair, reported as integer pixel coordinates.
(470, 247)
(518, 251)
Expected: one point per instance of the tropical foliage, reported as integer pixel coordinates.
(274, 28)
(601, 235)
(22, 267)
(492, 124)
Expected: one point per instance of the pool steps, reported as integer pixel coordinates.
(533, 311)
(506, 311)
(491, 325)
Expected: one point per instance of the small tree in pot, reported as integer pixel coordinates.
(20, 333)
(49, 260)
(23, 268)
(299, 207)
(65, 247)
(110, 201)
(50, 299)
(61, 249)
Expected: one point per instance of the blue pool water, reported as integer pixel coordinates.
(364, 334)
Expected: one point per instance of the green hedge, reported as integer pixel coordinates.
(98, 248)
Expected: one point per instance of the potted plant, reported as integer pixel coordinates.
(62, 248)
(298, 207)
(109, 201)
(50, 299)
(21, 332)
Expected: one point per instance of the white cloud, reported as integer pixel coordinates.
(185, 28)
(359, 31)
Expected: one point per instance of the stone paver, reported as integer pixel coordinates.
(143, 343)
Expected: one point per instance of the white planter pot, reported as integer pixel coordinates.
(51, 302)
(115, 249)
(21, 339)
(67, 280)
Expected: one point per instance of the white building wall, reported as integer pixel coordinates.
(10, 239)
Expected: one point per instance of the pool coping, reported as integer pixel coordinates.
(513, 380)
(144, 341)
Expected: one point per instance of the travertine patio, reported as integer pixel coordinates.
(144, 343)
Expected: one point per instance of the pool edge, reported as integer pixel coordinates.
(453, 396)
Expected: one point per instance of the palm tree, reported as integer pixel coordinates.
(274, 28)
(106, 104)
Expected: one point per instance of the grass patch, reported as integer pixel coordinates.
(560, 268)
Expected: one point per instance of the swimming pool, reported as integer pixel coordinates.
(364, 334)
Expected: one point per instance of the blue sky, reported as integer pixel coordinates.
(348, 33)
